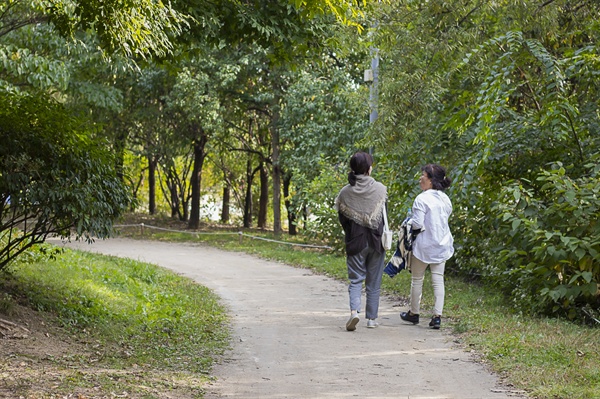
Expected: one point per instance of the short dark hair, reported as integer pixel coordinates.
(437, 175)
(360, 163)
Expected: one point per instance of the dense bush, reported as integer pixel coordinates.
(55, 178)
(551, 262)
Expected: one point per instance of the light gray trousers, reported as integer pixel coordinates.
(365, 266)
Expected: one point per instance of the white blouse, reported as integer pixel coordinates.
(430, 212)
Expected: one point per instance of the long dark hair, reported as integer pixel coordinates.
(437, 175)
(360, 163)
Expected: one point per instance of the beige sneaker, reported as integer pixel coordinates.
(372, 324)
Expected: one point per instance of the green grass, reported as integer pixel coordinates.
(549, 358)
(132, 316)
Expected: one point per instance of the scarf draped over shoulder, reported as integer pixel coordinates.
(363, 203)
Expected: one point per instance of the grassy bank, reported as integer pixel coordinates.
(122, 329)
(549, 358)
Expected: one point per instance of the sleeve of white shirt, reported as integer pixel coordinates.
(419, 209)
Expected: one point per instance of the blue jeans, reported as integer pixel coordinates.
(365, 266)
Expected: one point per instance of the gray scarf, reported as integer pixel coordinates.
(364, 202)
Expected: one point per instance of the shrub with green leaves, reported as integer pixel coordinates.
(55, 176)
(319, 196)
(552, 260)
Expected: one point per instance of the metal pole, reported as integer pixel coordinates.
(373, 95)
(374, 79)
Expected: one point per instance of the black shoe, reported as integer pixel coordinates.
(411, 318)
(436, 322)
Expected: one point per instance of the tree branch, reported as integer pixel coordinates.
(576, 137)
(463, 19)
(19, 24)
(546, 3)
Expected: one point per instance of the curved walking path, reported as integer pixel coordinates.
(289, 336)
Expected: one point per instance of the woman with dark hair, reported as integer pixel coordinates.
(433, 246)
(360, 206)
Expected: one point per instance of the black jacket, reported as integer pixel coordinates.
(359, 237)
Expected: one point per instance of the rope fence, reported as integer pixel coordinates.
(241, 234)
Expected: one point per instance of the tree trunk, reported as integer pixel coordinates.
(248, 196)
(305, 216)
(136, 188)
(152, 185)
(175, 212)
(173, 195)
(120, 145)
(226, 201)
(186, 210)
(276, 168)
(287, 181)
(264, 196)
(196, 179)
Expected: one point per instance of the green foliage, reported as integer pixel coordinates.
(319, 197)
(322, 120)
(193, 100)
(553, 260)
(350, 13)
(23, 65)
(54, 177)
(503, 138)
(136, 27)
(323, 112)
(288, 29)
(37, 59)
(498, 93)
(29, 48)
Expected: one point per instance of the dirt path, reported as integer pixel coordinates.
(290, 339)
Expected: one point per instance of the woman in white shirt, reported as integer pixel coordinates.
(433, 246)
